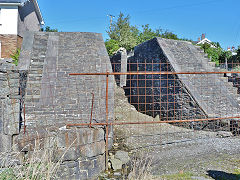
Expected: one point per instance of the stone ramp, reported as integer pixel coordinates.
(215, 96)
(52, 96)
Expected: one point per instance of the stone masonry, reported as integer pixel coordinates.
(9, 104)
(182, 96)
(52, 99)
(119, 64)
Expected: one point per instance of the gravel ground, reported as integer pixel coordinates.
(176, 149)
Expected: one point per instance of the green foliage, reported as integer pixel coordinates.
(214, 54)
(122, 34)
(169, 35)
(147, 33)
(48, 29)
(112, 46)
(217, 54)
(205, 47)
(15, 56)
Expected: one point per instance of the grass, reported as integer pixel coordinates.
(141, 168)
(237, 173)
(39, 164)
(182, 175)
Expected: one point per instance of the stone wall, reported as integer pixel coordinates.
(181, 96)
(54, 99)
(162, 95)
(9, 104)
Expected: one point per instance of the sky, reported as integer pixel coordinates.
(219, 19)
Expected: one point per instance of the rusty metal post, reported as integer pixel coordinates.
(106, 150)
(91, 110)
(24, 116)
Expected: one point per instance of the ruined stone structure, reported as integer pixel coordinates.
(181, 96)
(51, 99)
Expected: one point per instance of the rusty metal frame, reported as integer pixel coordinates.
(107, 124)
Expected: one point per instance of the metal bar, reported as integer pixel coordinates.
(152, 73)
(24, 115)
(151, 122)
(107, 124)
(91, 110)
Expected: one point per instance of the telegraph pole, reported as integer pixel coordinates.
(111, 20)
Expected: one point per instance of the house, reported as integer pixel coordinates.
(16, 17)
(232, 50)
(204, 40)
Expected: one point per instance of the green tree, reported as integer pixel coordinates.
(214, 54)
(147, 33)
(112, 46)
(169, 35)
(48, 29)
(122, 32)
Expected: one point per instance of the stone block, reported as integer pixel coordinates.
(5, 143)
(94, 149)
(79, 136)
(11, 114)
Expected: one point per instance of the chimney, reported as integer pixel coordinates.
(203, 36)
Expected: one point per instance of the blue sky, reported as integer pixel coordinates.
(219, 19)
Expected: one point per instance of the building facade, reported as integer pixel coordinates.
(16, 17)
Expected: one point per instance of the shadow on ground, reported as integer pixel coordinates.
(220, 175)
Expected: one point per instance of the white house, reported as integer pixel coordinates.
(205, 40)
(16, 17)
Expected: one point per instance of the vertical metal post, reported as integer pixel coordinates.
(92, 110)
(24, 115)
(106, 150)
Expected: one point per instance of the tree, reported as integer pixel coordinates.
(147, 33)
(169, 35)
(112, 46)
(122, 32)
(48, 29)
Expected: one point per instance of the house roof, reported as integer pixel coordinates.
(21, 3)
(6, 2)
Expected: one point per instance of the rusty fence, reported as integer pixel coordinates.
(152, 103)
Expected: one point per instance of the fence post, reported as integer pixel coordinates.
(106, 150)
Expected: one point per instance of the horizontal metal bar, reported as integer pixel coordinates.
(151, 73)
(150, 122)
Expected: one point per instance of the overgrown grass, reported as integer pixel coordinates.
(39, 164)
(141, 168)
